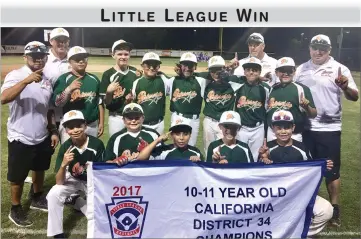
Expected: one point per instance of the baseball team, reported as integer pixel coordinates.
(256, 110)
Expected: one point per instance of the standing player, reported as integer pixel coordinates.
(186, 93)
(328, 80)
(291, 96)
(117, 83)
(251, 100)
(79, 90)
(150, 91)
(70, 170)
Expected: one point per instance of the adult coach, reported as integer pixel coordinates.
(256, 46)
(327, 80)
(29, 148)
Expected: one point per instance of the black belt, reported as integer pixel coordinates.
(189, 116)
(154, 122)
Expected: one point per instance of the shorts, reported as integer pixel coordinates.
(325, 144)
(22, 158)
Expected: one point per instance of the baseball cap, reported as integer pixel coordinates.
(252, 61)
(282, 116)
(181, 122)
(320, 40)
(255, 37)
(122, 42)
(230, 117)
(216, 61)
(73, 115)
(285, 61)
(132, 108)
(188, 56)
(77, 50)
(35, 47)
(57, 32)
(151, 56)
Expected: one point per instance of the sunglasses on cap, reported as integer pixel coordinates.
(134, 110)
(255, 39)
(36, 49)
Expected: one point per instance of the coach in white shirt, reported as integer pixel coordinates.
(30, 144)
(256, 45)
(327, 80)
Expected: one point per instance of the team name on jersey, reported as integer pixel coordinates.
(186, 96)
(249, 104)
(77, 95)
(280, 105)
(220, 99)
(153, 98)
(129, 154)
(119, 92)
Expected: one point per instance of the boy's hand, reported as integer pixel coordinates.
(223, 161)
(195, 158)
(329, 164)
(121, 160)
(217, 157)
(164, 137)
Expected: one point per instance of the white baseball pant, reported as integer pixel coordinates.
(322, 212)
(271, 135)
(253, 137)
(91, 129)
(56, 198)
(195, 128)
(115, 124)
(211, 132)
(158, 127)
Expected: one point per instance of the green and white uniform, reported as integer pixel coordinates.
(86, 99)
(186, 96)
(126, 80)
(151, 95)
(287, 97)
(237, 153)
(124, 143)
(170, 152)
(251, 105)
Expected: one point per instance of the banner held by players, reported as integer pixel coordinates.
(181, 199)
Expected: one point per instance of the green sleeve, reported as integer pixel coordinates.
(59, 158)
(59, 87)
(204, 75)
(99, 157)
(104, 83)
(109, 154)
(210, 153)
(250, 155)
(308, 96)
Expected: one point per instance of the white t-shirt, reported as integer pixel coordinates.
(326, 94)
(27, 121)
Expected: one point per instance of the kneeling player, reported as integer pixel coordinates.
(70, 170)
(229, 149)
(286, 149)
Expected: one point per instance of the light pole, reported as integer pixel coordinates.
(340, 42)
(220, 41)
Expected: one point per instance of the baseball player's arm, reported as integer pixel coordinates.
(147, 151)
(62, 92)
(166, 82)
(109, 154)
(62, 161)
(310, 108)
(99, 157)
(101, 119)
(202, 82)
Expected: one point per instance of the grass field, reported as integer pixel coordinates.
(75, 224)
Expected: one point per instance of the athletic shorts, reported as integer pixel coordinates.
(325, 145)
(22, 158)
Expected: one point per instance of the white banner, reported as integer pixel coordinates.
(181, 199)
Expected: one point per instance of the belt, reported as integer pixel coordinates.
(154, 122)
(252, 125)
(189, 116)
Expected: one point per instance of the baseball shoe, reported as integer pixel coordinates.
(335, 220)
(18, 217)
(39, 203)
(61, 235)
(71, 200)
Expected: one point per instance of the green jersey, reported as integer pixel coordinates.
(251, 103)
(126, 143)
(237, 153)
(93, 151)
(86, 99)
(170, 152)
(125, 79)
(287, 97)
(151, 95)
(186, 94)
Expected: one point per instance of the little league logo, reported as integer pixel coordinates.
(284, 61)
(126, 216)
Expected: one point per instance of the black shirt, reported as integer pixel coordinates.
(294, 153)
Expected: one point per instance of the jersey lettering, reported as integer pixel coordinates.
(186, 96)
(76, 95)
(249, 104)
(219, 99)
(279, 105)
(153, 98)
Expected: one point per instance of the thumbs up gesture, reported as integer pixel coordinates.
(341, 80)
(303, 101)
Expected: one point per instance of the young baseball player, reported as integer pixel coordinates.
(127, 143)
(181, 132)
(228, 149)
(116, 85)
(251, 100)
(79, 90)
(70, 168)
(150, 92)
(291, 96)
(186, 94)
(285, 149)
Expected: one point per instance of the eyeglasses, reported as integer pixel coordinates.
(80, 57)
(189, 64)
(254, 39)
(154, 64)
(254, 69)
(36, 49)
(286, 70)
(320, 47)
(215, 69)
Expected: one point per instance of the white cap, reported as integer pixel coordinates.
(76, 50)
(57, 32)
(321, 40)
(180, 121)
(73, 115)
(257, 37)
(216, 61)
(252, 60)
(151, 56)
(122, 42)
(230, 117)
(133, 108)
(38, 46)
(282, 116)
(285, 61)
(188, 56)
